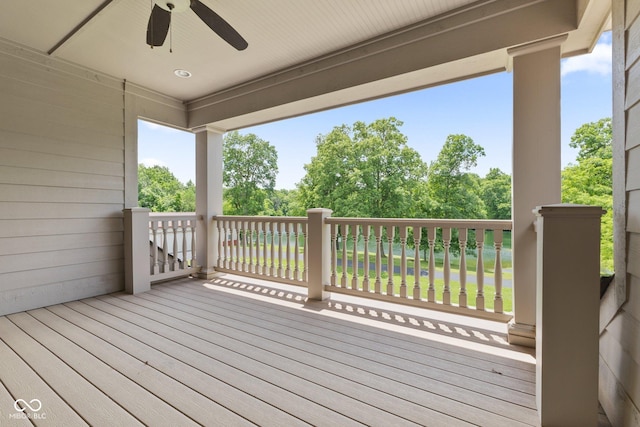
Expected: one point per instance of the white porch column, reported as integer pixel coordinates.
(536, 178)
(208, 197)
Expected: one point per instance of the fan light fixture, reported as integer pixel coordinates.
(184, 74)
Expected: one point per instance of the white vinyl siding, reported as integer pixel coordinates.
(62, 182)
(620, 340)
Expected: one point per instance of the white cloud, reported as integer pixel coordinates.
(596, 62)
(150, 162)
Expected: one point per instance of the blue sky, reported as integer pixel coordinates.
(480, 108)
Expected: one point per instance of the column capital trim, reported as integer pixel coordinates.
(537, 46)
(209, 128)
(568, 210)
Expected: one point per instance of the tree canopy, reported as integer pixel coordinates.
(250, 169)
(590, 181)
(593, 140)
(453, 192)
(496, 194)
(160, 191)
(363, 170)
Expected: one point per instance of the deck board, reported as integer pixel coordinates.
(376, 360)
(457, 367)
(111, 350)
(279, 361)
(212, 353)
(86, 400)
(22, 382)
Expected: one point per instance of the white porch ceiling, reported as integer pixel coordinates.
(291, 37)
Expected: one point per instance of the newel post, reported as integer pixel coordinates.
(319, 253)
(567, 311)
(137, 269)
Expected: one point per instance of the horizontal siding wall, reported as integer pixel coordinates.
(620, 340)
(62, 182)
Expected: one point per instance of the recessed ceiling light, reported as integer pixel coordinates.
(182, 73)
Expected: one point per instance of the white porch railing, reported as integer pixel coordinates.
(172, 240)
(274, 248)
(408, 236)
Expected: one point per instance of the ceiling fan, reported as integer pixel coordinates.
(160, 20)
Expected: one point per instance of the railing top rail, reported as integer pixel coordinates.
(172, 215)
(257, 218)
(485, 224)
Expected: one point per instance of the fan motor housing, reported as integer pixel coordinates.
(174, 5)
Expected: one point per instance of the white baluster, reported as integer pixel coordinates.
(498, 305)
(252, 267)
(174, 229)
(354, 257)
(390, 266)
(258, 268)
(154, 250)
(446, 243)
(183, 228)
(462, 238)
(296, 254)
(344, 228)
(431, 239)
(193, 263)
(480, 269)
(334, 254)
(403, 261)
(287, 234)
(306, 253)
(417, 236)
(228, 239)
(274, 230)
(265, 248)
(243, 237)
(365, 263)
(220, 228)
(377, 229)
(165, 249)
(281, 231)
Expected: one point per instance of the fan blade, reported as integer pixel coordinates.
(158, 26)
(219, 25)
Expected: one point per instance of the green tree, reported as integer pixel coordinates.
(590, 182)
(364, 170)
(593, 140)
(283, 203)
(496, 194)
(160, 191)
(453, 192)
(250, 169)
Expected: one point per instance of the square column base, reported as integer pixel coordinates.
(209, 274)
(521, 334)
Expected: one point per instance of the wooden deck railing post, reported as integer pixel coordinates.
(567, 314)
(319, 253)
(137, 261)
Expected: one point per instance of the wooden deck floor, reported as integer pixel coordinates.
(237, 351)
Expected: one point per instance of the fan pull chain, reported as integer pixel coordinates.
(151, 17)
(170, 6)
